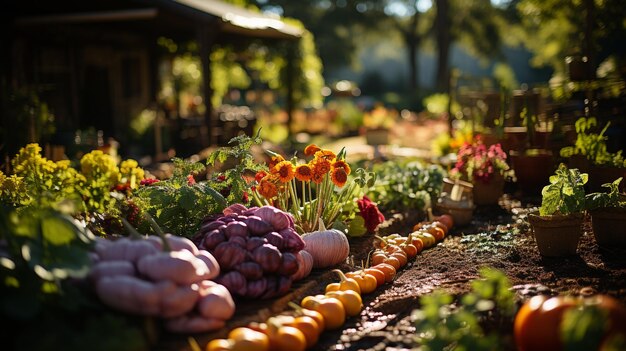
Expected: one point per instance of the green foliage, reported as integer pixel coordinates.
(44, 252)
(240, 156)
(44, 247)
(180, 203)
(593, 145)
(554, 29)
(442, 324)
(24, 118)
(611, 198)
(406, 185)
(565, 194)
(583, 328)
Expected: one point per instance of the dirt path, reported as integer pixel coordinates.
(497, 237)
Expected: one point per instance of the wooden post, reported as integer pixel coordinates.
(290, 84)
(207, 33)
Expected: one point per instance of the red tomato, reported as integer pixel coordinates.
(537, 324)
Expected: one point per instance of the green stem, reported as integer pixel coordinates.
(133, 233)
(159, 232)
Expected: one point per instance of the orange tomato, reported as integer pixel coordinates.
(446, 219)
(332, 309)
(393, 261)
(417, 242)
(346, 283)
(409, 249)
(389, 270)
(367, 282)
(219, 345)
(436, 232)
(247, 339)
(537, 324)
(378, 257)
(351, 300)
(377, 273)
(401, 256)
(439, 224)
(307, 325)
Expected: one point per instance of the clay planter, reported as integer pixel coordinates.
(461, 211)
(532, 171)
(609, 226)
(488, 193)
(557, 235)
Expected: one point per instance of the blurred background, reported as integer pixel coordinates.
(156, 79)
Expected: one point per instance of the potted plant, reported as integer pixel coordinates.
(558, 226)
(531, 159)
(590, 154)
(377, 124)
(608, 215)
(484, 167)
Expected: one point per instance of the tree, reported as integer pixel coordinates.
(475, 25)
(555, 29)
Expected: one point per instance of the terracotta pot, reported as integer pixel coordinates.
(557, 235)
(488, 193)
(609, 226)
(461, 211)
(532, 170)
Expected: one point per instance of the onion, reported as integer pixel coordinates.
(328, 247)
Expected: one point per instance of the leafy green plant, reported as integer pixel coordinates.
(565, 194)
(406, 185)
(44, 255)
(606, 199)
(442, 324)
(232, 181)
(179, 203)
(593, 145)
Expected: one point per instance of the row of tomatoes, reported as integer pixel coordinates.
(301, 329)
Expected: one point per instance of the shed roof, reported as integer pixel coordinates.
(237, 19)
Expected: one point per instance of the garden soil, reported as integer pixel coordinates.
(497, 237)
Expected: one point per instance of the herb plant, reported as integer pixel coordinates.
(606, 199)
(406, 185)
(180, 203)
(442, 324)
(565, 194)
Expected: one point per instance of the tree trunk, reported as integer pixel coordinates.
(442, 28)
(412, 40)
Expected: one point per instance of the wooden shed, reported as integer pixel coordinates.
(95, 63)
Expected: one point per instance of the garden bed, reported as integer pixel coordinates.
(497, 237)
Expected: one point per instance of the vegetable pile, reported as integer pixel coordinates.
(165, 277)
(258, 250)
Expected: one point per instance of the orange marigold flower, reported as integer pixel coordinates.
(325, 154)
(275, 160)
(285, 171)
(318, 177)
(339, 176)
(342, 164)
(259, 175)
(267, 188)
(321, 166)
(304, 173)
(311, 150)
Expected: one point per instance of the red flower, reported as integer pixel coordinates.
(370, 213)
(148, 181)
(191, 180)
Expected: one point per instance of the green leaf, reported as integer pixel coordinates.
(57, 230)
(357, 226)
(187, 198)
